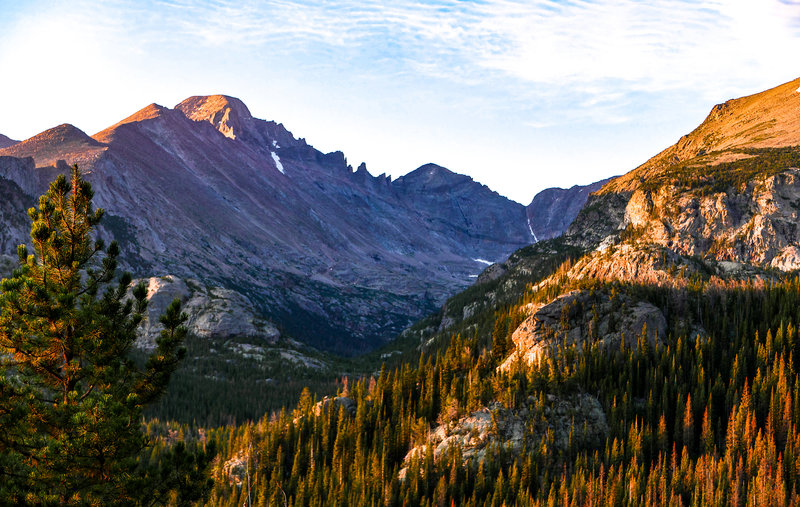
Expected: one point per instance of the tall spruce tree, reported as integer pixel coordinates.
(71, 397)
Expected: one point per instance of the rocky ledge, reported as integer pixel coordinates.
(757, 223)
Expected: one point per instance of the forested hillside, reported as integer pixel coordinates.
(646, 357)
(698, 419)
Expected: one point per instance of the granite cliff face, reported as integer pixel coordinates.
(211, 311)
(754, 224)
(341, 259)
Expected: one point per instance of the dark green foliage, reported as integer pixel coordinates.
(709, 417)
(179, 477)
(708, 179)
(70, 396)
(216, 385)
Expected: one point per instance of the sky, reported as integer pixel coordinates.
(520, 95)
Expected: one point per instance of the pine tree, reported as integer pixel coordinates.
(71, 397)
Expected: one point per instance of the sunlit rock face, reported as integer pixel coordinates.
(758, 223)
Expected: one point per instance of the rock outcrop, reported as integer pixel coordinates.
(577, 317)
(213, 312)
(758, 223)
(576, 420)
(234, 470)
(601, 217)
(335, 403)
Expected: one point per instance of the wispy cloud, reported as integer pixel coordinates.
(588, 49)
(515, 77)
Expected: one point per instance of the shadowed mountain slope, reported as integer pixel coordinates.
(5, 141)
(336, 257)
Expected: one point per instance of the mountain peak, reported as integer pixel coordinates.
(62, 142)
(433, 169)
(225, 113)
(769, 119)
(146, 113)
(64, 134)
(431, 176)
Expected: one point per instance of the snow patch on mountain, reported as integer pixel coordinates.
(484, 261)
(277, 160)
(530, 228)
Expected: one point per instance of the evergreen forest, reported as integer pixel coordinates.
(705, 418)
(707, 412)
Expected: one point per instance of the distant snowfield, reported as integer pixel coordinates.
(277, 160)
(484, 261)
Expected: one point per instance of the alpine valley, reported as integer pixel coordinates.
(280, 254)
(633, 342)
(335, 258)
(646, 356)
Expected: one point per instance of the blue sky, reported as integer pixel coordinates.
(520, 95)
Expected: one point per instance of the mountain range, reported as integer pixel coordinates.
(646, 356)
(335, 257)
(637, 346)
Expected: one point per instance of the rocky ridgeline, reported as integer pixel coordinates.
(212, 311)
(6, 141)
(561, 423)
(343, 260)
(664, 235)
